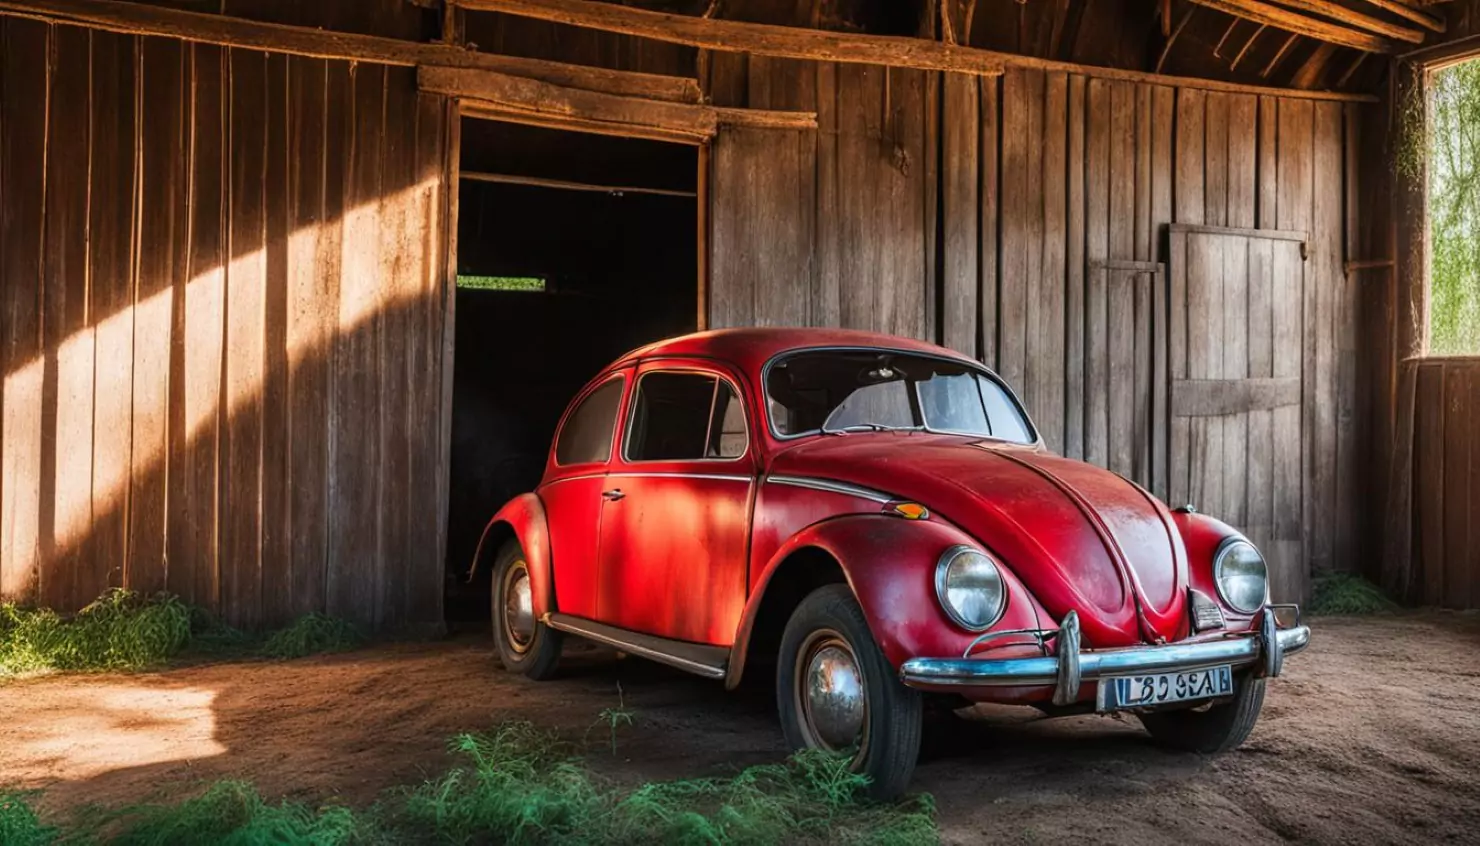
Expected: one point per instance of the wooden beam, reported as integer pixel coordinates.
(579, 13)
(758, 39)
(567, 185)
(1274, 16)
(1338, 12)
(492, 94)
(139, 19)
(515, 96)
(1403, 10)
(1279, 55)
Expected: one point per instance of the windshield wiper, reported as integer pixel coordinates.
(868, 427)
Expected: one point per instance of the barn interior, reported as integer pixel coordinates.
(572, 249)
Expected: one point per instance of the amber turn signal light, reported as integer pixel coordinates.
(908, 510)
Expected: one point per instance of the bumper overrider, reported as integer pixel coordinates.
(1070, 668)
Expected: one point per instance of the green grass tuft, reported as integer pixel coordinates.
(231, 813)
(522, 785)
(19, 825)
(313, 634)
(1345, 594)
(120, 631)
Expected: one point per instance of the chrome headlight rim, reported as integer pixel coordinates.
(1220, 556)
(942, 568)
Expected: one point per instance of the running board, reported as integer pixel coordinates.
(700, 659)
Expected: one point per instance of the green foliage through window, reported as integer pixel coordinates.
(1454, 210)
(501, 283)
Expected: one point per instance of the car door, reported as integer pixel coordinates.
(676, 525)
(571, 492)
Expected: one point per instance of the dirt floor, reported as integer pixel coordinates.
(1373, 735)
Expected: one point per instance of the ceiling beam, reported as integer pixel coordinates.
(140, 19)
(759, 39)
(1338, 12)
(1403, 10)
(1298, 24)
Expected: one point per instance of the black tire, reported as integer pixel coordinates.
(537, 653)
(1221, 728)
(890, 738)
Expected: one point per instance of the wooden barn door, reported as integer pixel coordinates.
(763, 204)
(1236, 356)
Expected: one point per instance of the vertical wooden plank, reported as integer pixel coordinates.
(991, 122)
(859, 251)
(1326, 251)
(399, 247)
(1472, 544)
(1163, 108)
(426, 547)
(277, 474)
(1292, 438)
(66, 492)
(1046, 362)
(1286, 552)
(1234, 308)
(1144, 225)
(110, 271)
(355, 531)
(1215, 152)
(159, 141)
(1016, 223)
(826, 301)
(312, 309)
(1096, 251)
(1431, 485)
(1189, 205)
(1353, 428)
(1458, 421)
(1267, 196)
(25, 64)
(1074, 325)
(241, 490)
(1120, 291)
(961, 178)
(1205, 281)
(1243, 147)
(927, 129)
(1259, 499)
(444, 318)
(194, 572)
(1179, 458)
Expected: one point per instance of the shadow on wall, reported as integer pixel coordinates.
(234, 394)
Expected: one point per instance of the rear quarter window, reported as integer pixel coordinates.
(586, 436)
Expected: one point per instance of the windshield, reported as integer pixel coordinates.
(836, 391)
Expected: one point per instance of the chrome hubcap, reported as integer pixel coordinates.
(834, 702)
(518, 607)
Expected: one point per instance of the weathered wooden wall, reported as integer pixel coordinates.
(1019, 218)
(1446, 484)
(223, 311)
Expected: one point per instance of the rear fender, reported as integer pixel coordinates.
(524, 515)
(889, 563)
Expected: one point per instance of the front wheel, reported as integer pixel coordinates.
(836, 691)
(525, 644)
(1220, 728)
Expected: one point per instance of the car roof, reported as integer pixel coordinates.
(750, 348)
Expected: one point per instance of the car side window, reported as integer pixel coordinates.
(680, 416)
(587, 434)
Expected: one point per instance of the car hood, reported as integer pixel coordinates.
(1079, 537)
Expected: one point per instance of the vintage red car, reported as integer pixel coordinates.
(876, 521)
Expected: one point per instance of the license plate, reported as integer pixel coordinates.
(1121, 692)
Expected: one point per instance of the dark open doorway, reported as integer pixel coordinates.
(572, 249)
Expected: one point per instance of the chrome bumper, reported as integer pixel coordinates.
(1070, 668)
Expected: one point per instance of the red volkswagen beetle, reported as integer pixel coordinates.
(874, 520)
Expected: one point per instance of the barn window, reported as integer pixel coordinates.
(1454, 209)
(501, 283)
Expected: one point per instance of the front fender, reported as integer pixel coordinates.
(889, 563)
(1202, 535)
(524, 516)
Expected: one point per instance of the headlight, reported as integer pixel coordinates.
(1241, 575)
(970, 588)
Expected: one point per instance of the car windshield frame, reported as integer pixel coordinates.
(974, 366)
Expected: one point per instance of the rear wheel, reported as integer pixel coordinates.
(1220, 728)
(836, 691)
(525, 644)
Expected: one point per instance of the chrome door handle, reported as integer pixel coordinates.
(613, 495)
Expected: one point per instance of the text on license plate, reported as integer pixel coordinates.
(1160, 688)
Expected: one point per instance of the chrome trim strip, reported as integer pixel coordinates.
(718, 477)
(1093, 666)
(573, 626)
(832, 487)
